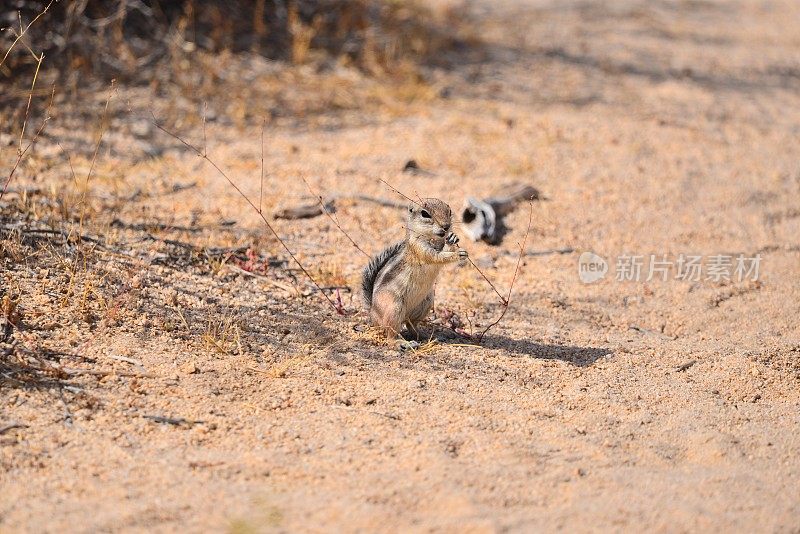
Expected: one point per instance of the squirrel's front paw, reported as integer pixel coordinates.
(462, 255)
(452, 239)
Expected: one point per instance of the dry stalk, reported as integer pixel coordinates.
(261, 186)
(21, 153)
(502, 298)
(30, 98)
(333, 219)
(387, 184)
(23, 31)
(252, 205)
(205, 139)
(103, 126)
(507, 300)
(69, 160)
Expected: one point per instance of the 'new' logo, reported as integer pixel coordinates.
(591, 267)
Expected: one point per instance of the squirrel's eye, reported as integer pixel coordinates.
(425, 214)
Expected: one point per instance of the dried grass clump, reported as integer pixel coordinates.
(151, 41)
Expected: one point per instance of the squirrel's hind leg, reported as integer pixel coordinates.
(386, 313)
(419, 314)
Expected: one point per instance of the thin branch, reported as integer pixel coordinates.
(387, 184)
(30, 97)
(502, 298)
(378, 201)
(312, 210)
(205, 140)
(21, 155)
(22, 33)
(69, 160)
(102, 372)
(261, 188)
(333, 219)
(103, 125)
(50, 231)
(26, 45)
(252, 205)
(514, 278)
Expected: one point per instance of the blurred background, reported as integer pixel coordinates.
(194, 49)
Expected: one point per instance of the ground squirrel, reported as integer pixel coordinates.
(398, 282)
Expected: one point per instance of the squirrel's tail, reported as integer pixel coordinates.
(371, 271)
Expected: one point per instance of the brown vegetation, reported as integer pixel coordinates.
(190, 43)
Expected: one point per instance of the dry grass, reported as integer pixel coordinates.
(330, 273)
(223, 334)
(191, 46)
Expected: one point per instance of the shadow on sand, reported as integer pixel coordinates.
(578, 356)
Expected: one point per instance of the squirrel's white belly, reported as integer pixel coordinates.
(422, 278)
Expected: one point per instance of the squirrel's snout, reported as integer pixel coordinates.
(440, 232)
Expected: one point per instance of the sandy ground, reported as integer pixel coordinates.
(661, 128)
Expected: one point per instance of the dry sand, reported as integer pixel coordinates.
(650, 127)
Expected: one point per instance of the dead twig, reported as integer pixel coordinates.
(208, 251)
(102, 372)
(684, 366)
(507, 300)
(307, 211)
(162, 227)
(39, 60)
(21, 153)
(50, 231)
(131, 361)
(177, 421)
(252, 205)
(379, 201)
(270, 281)
(548, 252)
(103, 126)
(24, 31)
(387, 184)
(261, 187)
(333, 219)
(502, 298)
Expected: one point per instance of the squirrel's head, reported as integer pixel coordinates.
(430, 218)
